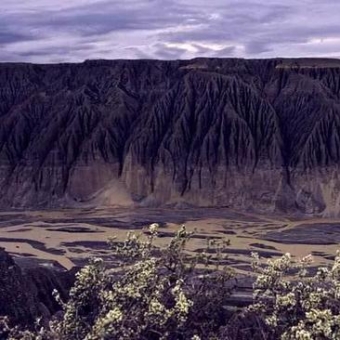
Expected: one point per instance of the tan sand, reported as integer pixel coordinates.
(246, 232)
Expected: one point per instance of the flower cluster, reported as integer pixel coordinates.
(297, 306)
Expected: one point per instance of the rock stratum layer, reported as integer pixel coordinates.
(248, 134)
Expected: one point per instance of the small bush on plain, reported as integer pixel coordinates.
(154, 293)
(297, 306)
(164, 293)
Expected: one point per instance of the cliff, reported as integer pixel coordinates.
(249, 134)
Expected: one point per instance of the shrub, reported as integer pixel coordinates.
(154, 293)
(295, 305)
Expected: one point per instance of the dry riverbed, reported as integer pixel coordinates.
(67, 238)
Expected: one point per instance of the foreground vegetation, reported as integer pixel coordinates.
(169, 294)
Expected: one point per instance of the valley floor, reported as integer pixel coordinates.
(67, 238)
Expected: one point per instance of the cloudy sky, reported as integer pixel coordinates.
(74, 30)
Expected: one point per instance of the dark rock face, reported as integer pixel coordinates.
(251, 134)
(27, 295)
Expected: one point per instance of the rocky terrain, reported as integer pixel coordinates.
(259, 135)
(26, 293)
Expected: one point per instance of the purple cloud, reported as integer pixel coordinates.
(75, 30)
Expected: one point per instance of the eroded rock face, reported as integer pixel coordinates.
(249, 134)
(26, 295)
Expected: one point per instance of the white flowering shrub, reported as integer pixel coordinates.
(155, 293)
(294, 305)
(8, 332)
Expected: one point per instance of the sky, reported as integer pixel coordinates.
(51, 31)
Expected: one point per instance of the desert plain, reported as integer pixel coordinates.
(69, 237)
